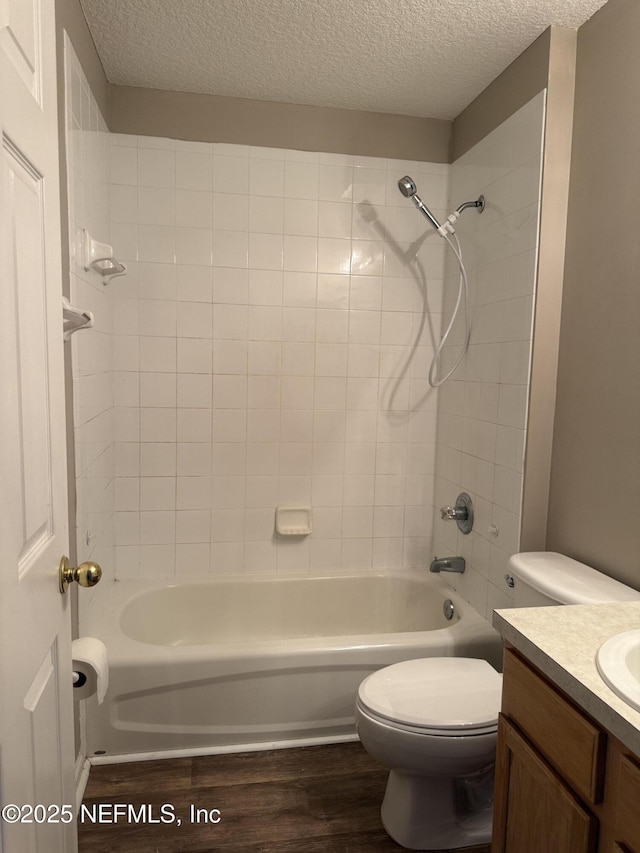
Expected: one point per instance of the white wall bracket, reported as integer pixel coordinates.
(74, 319)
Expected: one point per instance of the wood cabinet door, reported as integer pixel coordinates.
(627, 809)
(534, 809)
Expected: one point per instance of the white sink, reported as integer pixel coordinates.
(618, 662)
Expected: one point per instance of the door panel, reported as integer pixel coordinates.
(25, 258)
(36, 705)
(20, 39)
(35, 745)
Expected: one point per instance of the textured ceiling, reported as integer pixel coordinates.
(413, 57)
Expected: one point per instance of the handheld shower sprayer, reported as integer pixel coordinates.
(407, 187)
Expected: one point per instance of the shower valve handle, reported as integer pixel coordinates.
(454, 513)
(461, 513)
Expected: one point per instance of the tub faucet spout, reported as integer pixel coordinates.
(447, 564)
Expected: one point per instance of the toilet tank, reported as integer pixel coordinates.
(544, 577)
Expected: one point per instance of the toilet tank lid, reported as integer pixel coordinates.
(568, 581)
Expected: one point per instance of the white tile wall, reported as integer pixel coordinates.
(88, 185)
(264, 355)
(483, 408)
(259, 351)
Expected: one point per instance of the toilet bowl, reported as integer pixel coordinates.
(433, 723)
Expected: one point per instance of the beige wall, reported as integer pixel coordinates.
(213, 118)
(518, 84)
(595, 495)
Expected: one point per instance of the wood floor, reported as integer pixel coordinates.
(320, 799)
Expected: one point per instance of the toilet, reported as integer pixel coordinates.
(433, 721)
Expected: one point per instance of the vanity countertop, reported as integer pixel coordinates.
(562, 643)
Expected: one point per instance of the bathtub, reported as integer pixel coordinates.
(236, 663)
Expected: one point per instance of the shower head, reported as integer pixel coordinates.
(408, 188)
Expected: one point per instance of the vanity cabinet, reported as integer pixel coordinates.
(563, 784)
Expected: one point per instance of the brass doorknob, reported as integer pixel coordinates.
(87, 574)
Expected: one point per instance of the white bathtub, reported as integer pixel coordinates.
(239, 662)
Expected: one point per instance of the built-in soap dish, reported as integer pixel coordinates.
(99, 258)
(293, 520)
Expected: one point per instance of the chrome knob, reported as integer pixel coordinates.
(461, 513)
(454, 513)
(86, 574)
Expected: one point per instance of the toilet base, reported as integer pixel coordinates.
(427, 813)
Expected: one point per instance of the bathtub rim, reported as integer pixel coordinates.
(121, 647)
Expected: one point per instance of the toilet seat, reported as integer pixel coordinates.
(445, 697)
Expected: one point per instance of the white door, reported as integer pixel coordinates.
(36, 705)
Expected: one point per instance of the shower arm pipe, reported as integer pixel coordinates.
(447, 226)
(477, 203)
